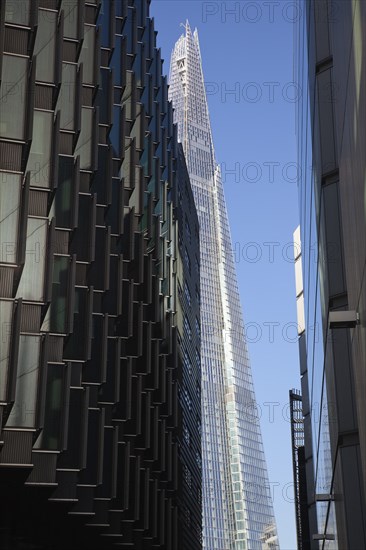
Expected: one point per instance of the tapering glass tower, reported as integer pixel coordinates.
(237, 507)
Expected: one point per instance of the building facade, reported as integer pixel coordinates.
(331, 68)
(299, 470)
(189, 359)
(237, 507)
(94, 410)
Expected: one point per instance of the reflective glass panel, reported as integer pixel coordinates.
(10, 185)
(39, 161)
(70, 8)
(45, 45)
(66, 99)
(13, 97)
(17, 12)
(31, 286)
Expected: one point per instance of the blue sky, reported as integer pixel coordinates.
(247, 49)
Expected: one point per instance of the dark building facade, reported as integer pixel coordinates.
(93, 402)
(331, 72)
(189, 341)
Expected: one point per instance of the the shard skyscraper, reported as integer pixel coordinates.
(237, 506)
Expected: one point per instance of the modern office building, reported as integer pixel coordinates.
(189, 360)
(100, 413)
(331, 69)
(237, 507)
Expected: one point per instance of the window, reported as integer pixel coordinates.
(40, 152)
(85, 141)
(17, 12)
(23, 413)
(13, 97)
(87, 55)
(70, 8)
(66, 98)
(10, 185)
(50, 435)
(45, 46)
(31, 286)
(62, 204)
(6, 312)
(55, 320)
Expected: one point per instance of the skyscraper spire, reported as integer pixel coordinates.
(237, 507)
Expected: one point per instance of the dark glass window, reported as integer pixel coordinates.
(115, 133)
(6, 314)
(104, 21)
(63, 197)
(103, 96)
(116, 62)
(75, 345)
(58, 306)
(23, 413)
(51, 433)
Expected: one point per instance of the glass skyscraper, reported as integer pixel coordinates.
(237, 506)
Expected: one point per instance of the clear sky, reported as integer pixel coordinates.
(247, 49)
